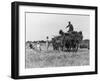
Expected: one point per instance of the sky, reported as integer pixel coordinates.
(41, 25)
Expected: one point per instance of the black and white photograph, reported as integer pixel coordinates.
(50, 40)
(56, 40)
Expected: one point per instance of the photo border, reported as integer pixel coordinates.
(15, 39)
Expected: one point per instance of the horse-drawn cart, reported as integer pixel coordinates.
(67, 41)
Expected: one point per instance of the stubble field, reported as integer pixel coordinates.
(35, 58)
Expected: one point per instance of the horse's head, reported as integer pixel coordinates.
(80, 32)
(61, 32)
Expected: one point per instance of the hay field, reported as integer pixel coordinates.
(39, 59)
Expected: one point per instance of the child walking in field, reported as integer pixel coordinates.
(38, 46)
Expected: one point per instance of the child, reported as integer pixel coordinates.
(38, 46)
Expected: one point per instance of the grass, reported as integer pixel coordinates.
(39, 59)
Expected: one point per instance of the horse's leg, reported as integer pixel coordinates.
(62, 48)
